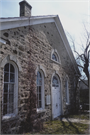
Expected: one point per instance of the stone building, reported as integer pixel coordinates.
(55, 66)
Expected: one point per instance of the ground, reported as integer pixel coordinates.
(72, 124)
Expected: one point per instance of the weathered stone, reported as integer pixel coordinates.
(14, 51)
(6, 34)
(21, 48)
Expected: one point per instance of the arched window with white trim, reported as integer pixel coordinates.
(10, 90)
(40, 90)
(67, 91)
(55, 56)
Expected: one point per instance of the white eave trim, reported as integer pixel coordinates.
(24, 21)
(2, 41)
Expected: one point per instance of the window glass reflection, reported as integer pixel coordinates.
(54, 57)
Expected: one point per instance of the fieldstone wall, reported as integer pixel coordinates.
(41, 39)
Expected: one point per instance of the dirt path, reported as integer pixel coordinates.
(76, 120)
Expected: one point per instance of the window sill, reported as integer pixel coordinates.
(67, 104)
(9, 116)
(56, 62)
(40, 110)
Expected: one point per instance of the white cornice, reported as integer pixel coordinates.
(24, 21)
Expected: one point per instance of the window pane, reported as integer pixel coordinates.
(6, 68)
(39, 89)
(55, 82)
(5, 109)
(39, 78)
(11, 88)
(39, 104)
(5, 88)
(11, 98)
(12, 77)
(39, 75)
(6, 77)
(11, 68)
(54, 57)
(10, 108)
(5, 98)
(40, 96)
(40, 81)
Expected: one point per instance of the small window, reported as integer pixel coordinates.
(67, 91)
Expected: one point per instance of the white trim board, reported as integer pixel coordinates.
(23, 21)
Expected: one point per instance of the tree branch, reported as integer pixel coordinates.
(80, 66)
(84, 82)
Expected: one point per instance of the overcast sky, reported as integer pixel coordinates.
(72, 13)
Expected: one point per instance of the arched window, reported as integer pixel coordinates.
(40, 90)
(67, 91)
(10, 91)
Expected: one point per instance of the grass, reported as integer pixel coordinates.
(60, 127)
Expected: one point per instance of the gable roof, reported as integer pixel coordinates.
(13, 22)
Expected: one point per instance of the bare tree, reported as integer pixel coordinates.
(82, 58)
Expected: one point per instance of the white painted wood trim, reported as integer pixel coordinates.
(12, 23)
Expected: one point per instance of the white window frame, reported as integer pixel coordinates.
(39, 110)
(6, 116)
(67, 91)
